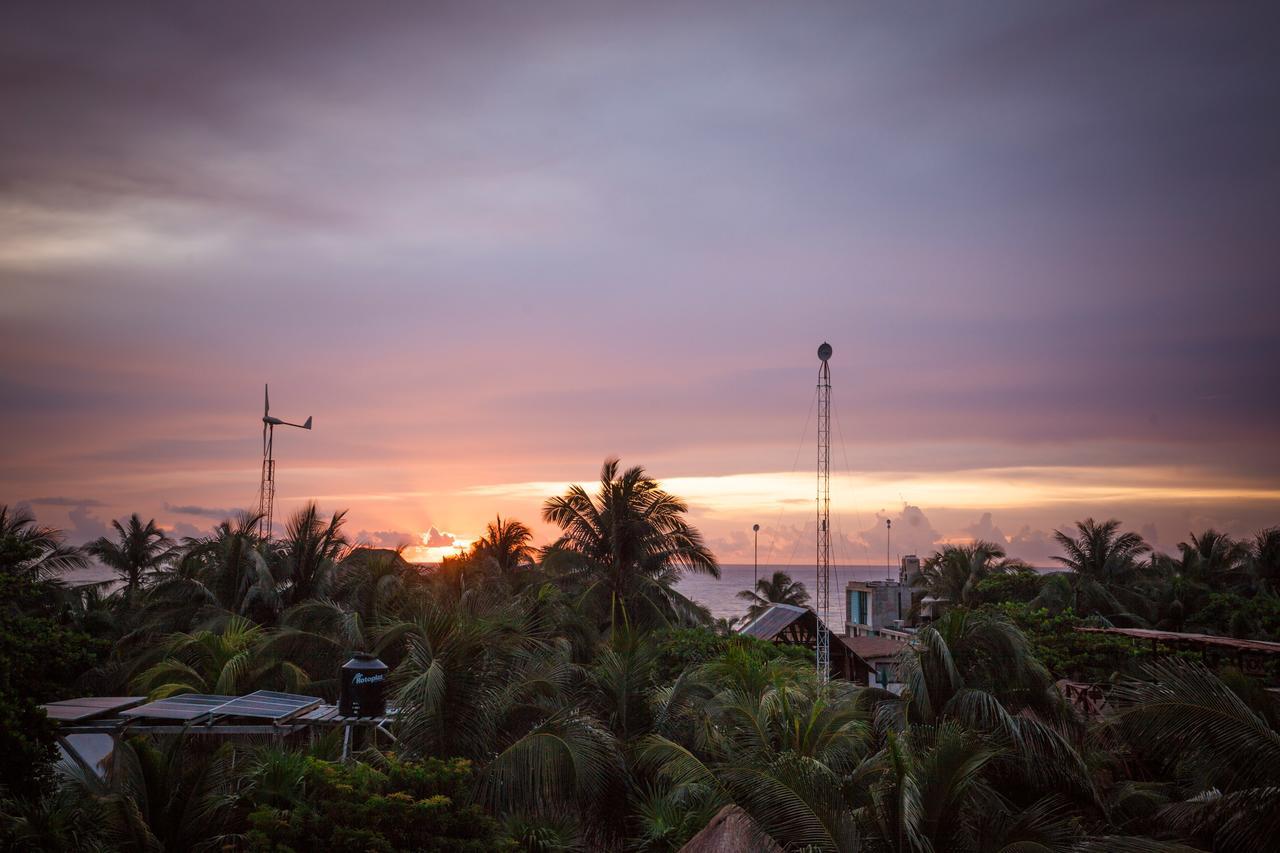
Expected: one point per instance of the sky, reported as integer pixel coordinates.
(487, 245)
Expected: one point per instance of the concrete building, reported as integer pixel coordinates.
(875, 607)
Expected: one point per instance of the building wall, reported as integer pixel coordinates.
(871, 606)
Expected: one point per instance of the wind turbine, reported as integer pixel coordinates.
(267, 491)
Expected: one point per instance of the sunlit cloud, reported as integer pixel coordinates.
(1004, 488)
(436, 545)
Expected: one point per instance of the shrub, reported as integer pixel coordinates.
(399, 806)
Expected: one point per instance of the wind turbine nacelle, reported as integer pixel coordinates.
(272, 421)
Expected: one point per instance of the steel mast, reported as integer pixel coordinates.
(267, 485)
(824, 514)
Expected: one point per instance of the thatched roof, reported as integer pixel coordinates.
(731, 831)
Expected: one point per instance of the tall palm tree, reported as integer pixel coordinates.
(629, 545)
(138, 551)
(953, 573)
(306, 560)
(1100, 550)
(1104, 566)
(505, 546)
(1215, 559)
(32, 551)
(778, 589)
(216, 576)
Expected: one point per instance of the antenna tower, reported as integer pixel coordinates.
(267, 487)
(824, 514)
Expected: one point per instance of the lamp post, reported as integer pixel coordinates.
(888, 563)
(755, 528)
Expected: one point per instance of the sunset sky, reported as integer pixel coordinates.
(487, 245)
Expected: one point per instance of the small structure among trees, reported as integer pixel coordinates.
(798, 626)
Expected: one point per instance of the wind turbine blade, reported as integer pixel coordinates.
(266, 400)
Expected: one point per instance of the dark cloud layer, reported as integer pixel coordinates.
(70, 502)
(202, 511)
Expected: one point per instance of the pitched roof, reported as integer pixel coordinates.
(773, 621)
(731, 831)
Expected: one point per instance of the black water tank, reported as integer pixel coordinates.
(364, 687)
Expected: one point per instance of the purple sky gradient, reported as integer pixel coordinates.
(486, 245)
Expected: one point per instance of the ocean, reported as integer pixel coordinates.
(720, 596)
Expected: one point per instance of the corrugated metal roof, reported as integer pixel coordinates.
(773, 621)
(1193, 639)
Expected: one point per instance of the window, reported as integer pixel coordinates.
(859, 607)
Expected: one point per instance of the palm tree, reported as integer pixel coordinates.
(306, 560)
(779, 589)
(1215, 559)
(505, 546)
(230, 662)
(171, 796)
(937, 788)
(33, 552)
(54, 822)
(481, 679)
(776, 743)
(968, 758)
(139, 550)
(1194, 728)
(1264, 560)
(374, 582)
(460, 656)
(215, 577)
(623, 678)
(969, 652)
(628, 545)
(953, 574)
(1104, 565)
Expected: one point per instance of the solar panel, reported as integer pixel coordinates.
(88, 707)
(187, 706)
(268, 704)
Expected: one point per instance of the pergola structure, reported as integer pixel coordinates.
(1247, 654)
(264, 713)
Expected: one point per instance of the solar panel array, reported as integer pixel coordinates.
(262, 704)
(77, 710)
(268, 704)
(188, 706)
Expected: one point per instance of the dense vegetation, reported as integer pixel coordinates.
(570, 698)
